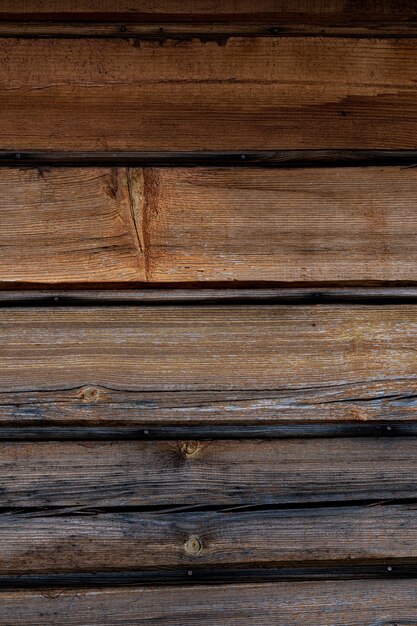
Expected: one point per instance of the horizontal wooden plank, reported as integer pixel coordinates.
(357, 603)
(246, 94)
(224, 364)
(208, 473)
(110, 225)
(136, 541)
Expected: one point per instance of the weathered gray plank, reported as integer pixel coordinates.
(353, 603)
(219, 473)
(135, 541)
(207, 365)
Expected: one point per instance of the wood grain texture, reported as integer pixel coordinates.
(190, 225)
(262, 93)
(65, 225)
(353, 603)
(134, 541)
(216, 473)
(207, 364)
(302, 225)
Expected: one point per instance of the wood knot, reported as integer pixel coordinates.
(89, 394)
(193, 546)
(189, 448)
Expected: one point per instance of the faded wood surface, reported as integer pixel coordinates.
(353, 603)
(207, 364)
(92, 225)
(247, 94)
(233, 472)
(136, 541)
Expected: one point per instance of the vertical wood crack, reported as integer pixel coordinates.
(135, 189)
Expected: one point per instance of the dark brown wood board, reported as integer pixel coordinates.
(188, 225)
(180, 16)
(39, 543)
(248, 94)
(353, 603)
(207, 364)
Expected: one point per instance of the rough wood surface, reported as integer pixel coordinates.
(135, 541)
(71, 226)
(353, 603)
(303, 225)
(181, 225)
(269, 93)
(234, 472)
(199, 364)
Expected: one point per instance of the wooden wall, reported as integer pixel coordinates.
(208, 312)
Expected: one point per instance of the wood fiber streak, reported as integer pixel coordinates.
(134, 541)
(190, 225)
(353, 603)
(235, 472)
(248, 94)
(197, 365)
(60, 226)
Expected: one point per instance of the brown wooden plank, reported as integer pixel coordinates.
(302, 225)
(136, 541)
(357, 603)
(266, 93)
(190, 225)
(71, 226)
(149, 473)
(207, 364)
